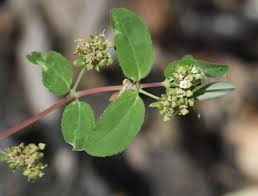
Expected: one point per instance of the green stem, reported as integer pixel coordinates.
(78, 80)
(36, 117)
(148, 94)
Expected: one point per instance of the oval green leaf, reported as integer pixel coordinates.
(132, 43)
(56, 71)
(77, 122)
(209, 69)
(213, 90)
(117, 126)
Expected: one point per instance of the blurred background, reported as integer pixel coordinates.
(216, 155)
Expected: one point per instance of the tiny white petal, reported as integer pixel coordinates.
(195, 70)
(183, 84)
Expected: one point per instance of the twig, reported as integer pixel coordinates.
(62, 101)
(149, 94)
(78, 79)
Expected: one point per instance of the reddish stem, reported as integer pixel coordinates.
(62, 101)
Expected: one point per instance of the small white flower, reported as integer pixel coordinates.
(195, 70)
(183, 84)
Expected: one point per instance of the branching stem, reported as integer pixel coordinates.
(64, 100)
(78, 80)
(148, 94)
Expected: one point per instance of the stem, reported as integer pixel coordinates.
(148, 94)
(64, 100)
(78, 80)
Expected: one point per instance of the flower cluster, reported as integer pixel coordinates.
(185, 77)
(179, 97)
(93, 52)
(26, 158)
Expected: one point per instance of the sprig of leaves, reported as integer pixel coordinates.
(123, 118)
(185, 82)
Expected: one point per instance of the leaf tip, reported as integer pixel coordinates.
(35, 57)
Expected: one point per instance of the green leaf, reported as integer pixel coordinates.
(212, 90)
(77, 122)
(117, 126)
(185, 60)
(56, 71)
(187, 57)
(133, 44)
(210, 69)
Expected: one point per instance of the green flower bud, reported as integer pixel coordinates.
(189, 93)
(184, 111)
(79, 62)
(26, 172)
(191, 102)
(177, 101)
(42, 146)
